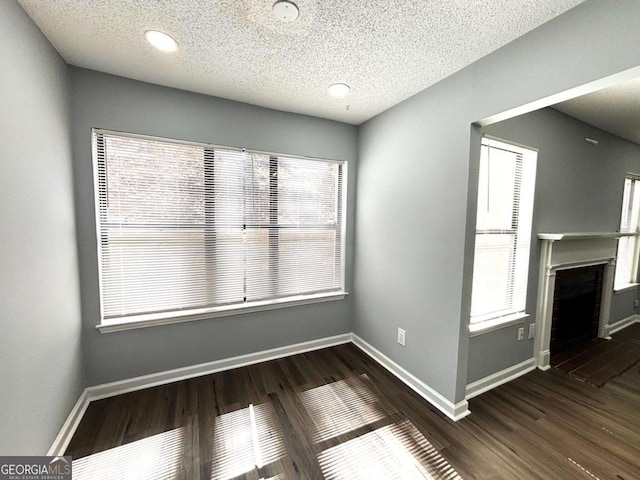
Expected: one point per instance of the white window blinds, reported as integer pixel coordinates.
(503, 230)
(627, 261)
(186, 227)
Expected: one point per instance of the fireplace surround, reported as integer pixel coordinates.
(564, 251)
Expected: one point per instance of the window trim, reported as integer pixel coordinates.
(634, 282)
(625, 288)
(512, 316)
(166, 318)
(496, 323)
(169, 318)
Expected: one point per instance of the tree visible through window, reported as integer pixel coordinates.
(185, 227)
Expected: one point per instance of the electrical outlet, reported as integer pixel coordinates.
(521, 333)
(402, 335)
(532, 330)
(636, 303)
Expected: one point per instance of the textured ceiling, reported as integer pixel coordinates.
(386, 50)
(615, 109)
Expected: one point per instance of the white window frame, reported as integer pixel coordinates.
(178, 316)
(626, 273)
(513, 311)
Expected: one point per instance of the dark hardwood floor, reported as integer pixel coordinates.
(597, 361)
(335, 413)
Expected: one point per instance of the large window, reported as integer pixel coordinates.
(627, 263)
(503, 233)
(189, 229)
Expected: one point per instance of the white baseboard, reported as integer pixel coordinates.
(544, 360)
(169, 376)
(111, 389)
(624, 323)
(454, 411)
(69, 427)
(496, 379)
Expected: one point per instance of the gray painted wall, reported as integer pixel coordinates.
(410, 232)
(622, 304)
(40, 355)
(578, 188)
(105, 101)
(413, 175)
(416, 209)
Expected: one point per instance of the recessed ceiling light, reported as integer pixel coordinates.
(285, 11)
(161, 41)
(339, 89)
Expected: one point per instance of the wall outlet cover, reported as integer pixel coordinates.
(402, 335)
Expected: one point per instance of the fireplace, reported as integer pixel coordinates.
(576, 307)
(578, 268)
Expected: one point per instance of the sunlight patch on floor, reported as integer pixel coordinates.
(391, 452)
(355, 427)
(341, 407)
(246, 440)
(157, 457)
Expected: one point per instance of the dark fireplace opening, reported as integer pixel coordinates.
(576, 307)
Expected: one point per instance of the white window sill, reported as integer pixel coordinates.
(624, 288)
(491, 325)
(152, 320)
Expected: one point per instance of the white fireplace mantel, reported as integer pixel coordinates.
(561, 251)
(581, 235)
